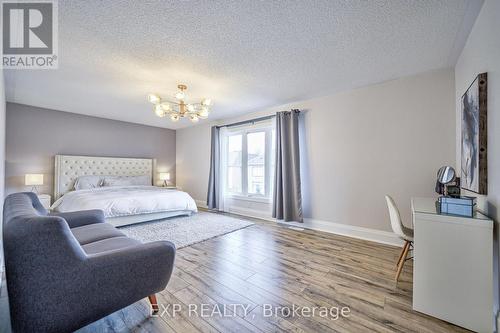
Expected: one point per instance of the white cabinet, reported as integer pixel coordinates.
(453, 266)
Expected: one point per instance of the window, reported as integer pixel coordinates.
(250, 160)
(256, 170)
(234, 163)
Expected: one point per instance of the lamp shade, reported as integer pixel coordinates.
(32, 179)
(164, 176)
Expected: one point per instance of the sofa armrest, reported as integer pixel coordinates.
(81, 218)
(149, 261)
(116, 279)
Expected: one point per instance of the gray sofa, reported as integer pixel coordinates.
(67, 270)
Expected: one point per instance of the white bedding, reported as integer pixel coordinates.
(126, 200)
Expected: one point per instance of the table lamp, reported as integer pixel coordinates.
(33, 179)
(165, 176)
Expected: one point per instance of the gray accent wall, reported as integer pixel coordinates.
(35, 135)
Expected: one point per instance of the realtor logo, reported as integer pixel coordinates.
(29, 34)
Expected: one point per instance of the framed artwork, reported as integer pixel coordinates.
(474, 164)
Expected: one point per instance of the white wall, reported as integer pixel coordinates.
(482, 54)
(193, 160)
(385, 138)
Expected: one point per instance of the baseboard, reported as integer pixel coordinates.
(373, 235)
(251, 213)
(240, 211)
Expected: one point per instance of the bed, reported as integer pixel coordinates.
(122, 204)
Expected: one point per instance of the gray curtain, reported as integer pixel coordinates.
(214, 176)
(287, 197)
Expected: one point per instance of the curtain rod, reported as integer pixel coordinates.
(252, 120)
(248, 121)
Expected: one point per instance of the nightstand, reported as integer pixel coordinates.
(45, 200)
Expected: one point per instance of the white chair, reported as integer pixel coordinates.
(403, 232)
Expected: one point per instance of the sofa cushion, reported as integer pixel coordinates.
(109, 244)
(95, 232)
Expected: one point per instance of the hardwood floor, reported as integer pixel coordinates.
(265, 267)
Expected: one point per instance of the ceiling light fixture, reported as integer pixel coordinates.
(180, 109)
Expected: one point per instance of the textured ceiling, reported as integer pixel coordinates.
(245, 55)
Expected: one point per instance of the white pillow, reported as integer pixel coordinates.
(87, 182)
(127, 180)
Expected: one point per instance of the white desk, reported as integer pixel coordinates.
(453, 266)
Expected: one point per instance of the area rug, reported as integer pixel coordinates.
(185, 230)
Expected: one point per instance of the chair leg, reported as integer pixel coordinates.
(154, 303)
(401, 254)
(403, 259)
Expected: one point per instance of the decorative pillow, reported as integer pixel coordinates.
(87, 182)
(127, 180)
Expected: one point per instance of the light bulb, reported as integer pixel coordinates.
(159, 111)
(174, 117)
(180, 95)
(166, 107)
(155, 99)
(190, 107)
(194, 118)
(206, 102)
(203, 113)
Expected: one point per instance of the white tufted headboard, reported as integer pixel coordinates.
(68, 168)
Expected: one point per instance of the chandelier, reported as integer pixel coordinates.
(179, 108)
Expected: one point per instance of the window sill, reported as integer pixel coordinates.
(248, 198)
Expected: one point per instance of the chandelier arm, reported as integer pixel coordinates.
(176, 103)
(168, 101)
